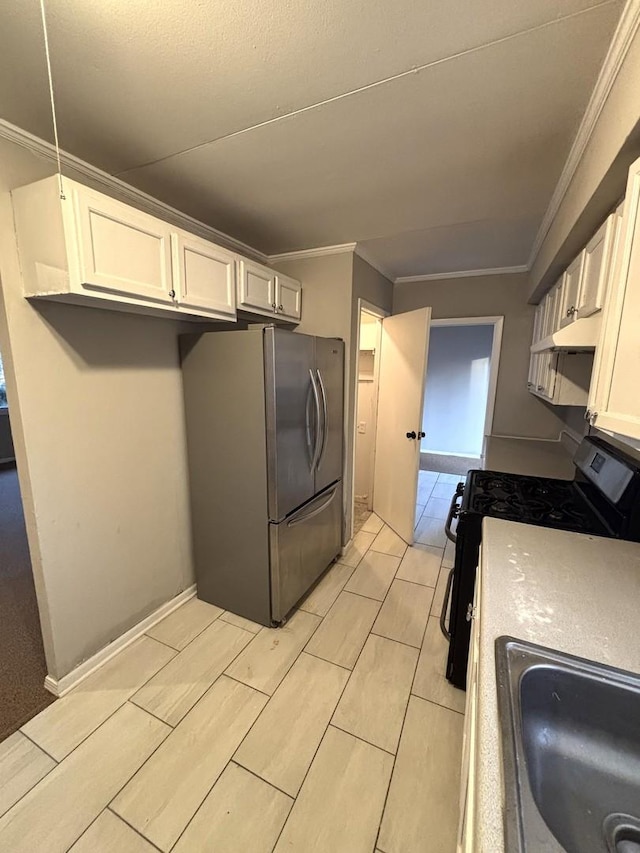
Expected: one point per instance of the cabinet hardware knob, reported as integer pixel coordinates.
(587, 415)
(412, 434)
(422, 434)
(571, 311)
(172, 294)
(274, 306)
(280, 307)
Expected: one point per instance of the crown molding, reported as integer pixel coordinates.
(321, 251)
(124, 192)
(367, 258)
(618, 49)
(439, 276)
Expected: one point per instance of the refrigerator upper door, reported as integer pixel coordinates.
(330, 380)
(293, 411)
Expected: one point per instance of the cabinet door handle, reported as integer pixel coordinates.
(172, 294)
(412, 435)
(571, 311)
(280, 307)
(275, 307)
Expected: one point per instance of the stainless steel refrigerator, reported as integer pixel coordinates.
(264, 419)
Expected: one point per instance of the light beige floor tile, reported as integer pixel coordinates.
(54, 814)
(373, 524)
(374, 575)
(388, 542)
(452, 478)
(374, 703)
(242, 814)
(422, 806)
(430, 682)
(22, 765)
(430, 531)
(184, 624)
(282, 743)
(165, 794)
(62, 726)
(441, 588)
(404, 614)
(241, 622)
(421, 564)
(176, 688)
(322, 596)
(339, 806)
(438, 508)
(359, 545)
(109, 834)
(444, 490)
(344, 630)
(449, 554)
(271, 653)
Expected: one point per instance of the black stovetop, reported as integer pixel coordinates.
(531, 500)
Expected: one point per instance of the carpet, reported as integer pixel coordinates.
(449, 464)
(22, 664)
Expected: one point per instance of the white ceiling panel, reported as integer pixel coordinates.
(480, 138)
(484, 244)
(140, 80)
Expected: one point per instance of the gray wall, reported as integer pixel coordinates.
(457, 386)
(517, 412)
(98, 424)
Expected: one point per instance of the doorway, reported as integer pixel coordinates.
(460, 393)
(22, 662)
(369, 336)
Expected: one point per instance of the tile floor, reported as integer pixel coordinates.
(337, 732)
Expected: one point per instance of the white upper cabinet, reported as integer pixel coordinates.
(571, 291)
(288, 296)
(257, 288)
(86, 248)
(617, 404)
(120, 249)
(262, 290)
(598, 255)
(204, 275)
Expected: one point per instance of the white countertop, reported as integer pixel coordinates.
(575, 593)
(529, 456)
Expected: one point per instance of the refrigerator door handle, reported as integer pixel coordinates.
(316, 398)
(316, 510)
(323, 393)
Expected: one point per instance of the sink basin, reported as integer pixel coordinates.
(571, 752)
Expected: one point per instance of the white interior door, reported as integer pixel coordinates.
(403, 370)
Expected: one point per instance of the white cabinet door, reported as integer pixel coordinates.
(534, 359)
(120, 249)
(597, 262)
(257, 288)
(571, 290)
(619, 408)
(205, 276)
(288, 296)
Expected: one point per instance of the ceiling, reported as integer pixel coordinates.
(431, 132)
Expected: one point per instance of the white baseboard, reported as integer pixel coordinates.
(451, 453)
(63, 685)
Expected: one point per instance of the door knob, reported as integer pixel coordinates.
(412, 434)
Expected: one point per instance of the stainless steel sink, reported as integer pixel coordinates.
(571, 752)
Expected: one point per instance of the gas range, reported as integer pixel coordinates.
(530, 500)
(603, 499)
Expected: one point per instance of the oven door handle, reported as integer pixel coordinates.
(453, 512)
(445, 607)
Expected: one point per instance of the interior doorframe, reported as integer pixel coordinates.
(380, 313)
(496, 348)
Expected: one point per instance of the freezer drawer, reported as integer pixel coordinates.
(302, 546)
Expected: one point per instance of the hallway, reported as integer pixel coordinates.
(22, 665)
